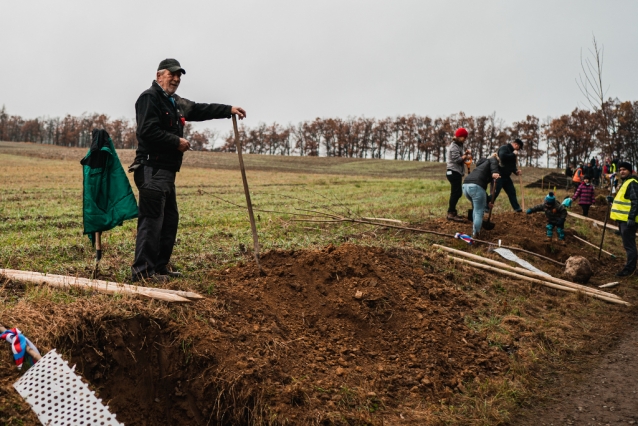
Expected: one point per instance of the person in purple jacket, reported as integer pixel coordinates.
(585, 195)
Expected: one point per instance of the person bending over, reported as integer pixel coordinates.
(474, 189)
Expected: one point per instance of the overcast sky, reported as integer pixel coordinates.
(288, 61)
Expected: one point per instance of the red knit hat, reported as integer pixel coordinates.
(460, 133)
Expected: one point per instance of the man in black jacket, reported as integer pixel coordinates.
(507, 165)
(161, 116)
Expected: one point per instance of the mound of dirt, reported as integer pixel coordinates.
(551, 180)
(330, 336)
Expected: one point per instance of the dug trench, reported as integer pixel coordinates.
(329, 336)
(342, 335)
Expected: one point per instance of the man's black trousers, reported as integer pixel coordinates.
(505, 182)
(456, 190)
(628, 236)
(157, 221)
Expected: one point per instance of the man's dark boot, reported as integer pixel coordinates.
(170, 274)
(454, 217)
(153, 279)
(624, 273)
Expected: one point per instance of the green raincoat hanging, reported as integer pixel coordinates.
(108, 198)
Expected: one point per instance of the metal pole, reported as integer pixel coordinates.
(253, 226)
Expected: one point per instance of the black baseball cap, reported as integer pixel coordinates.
(172, 65)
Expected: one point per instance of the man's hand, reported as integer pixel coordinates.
(519, 172)
(631, 224)
(516, 152)
(496, 176)
(490, 204)
(184, 145)
(239, 112)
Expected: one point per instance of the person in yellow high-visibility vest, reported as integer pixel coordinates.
(623, 210)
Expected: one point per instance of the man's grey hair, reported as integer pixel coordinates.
(162, 71)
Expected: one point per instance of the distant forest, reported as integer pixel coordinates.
(571, 138)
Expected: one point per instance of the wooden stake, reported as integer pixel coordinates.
(595, 246)
(597, 222)
(602, 238)
(536, 281)
(108, 287)
(98, 253)
(523, 271)
(253, 226)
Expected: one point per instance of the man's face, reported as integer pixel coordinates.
(169, 81)
(624, 172)
(516, 146)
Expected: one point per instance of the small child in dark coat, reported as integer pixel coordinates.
(585, 194)
(555, 213)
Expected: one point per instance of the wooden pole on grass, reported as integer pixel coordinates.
(594, 245)
(253, 226)
(541, 282)
(522, 271)
(602, 238)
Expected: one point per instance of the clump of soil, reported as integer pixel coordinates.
(578, 269)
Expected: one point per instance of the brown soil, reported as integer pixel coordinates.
(326, 336)
(344, 335)
(608, 394)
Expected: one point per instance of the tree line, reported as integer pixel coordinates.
(571, 138)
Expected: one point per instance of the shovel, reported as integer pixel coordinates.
(488, 226)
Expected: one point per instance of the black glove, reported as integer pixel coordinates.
(610, 199)
(631, 224)
(560, 223)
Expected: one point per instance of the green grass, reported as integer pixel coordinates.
(41, 211)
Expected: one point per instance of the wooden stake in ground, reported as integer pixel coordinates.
(602, 238)
(98, 253)
(520, 181)
(253, 226)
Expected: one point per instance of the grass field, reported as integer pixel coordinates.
(41, 230)
(41, 205)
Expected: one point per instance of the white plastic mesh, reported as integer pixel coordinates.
(507, 254)
(58, 396)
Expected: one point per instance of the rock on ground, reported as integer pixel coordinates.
(578, 269)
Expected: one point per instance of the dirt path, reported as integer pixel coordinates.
(609, 396)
